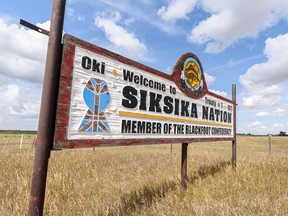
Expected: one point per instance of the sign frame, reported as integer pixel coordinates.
(65, 88)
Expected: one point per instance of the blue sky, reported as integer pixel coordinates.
(242, 42)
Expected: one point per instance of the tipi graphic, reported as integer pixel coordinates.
(97, 97)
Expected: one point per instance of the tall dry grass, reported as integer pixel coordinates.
(145, 180)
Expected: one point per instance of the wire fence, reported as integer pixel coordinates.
(17, 141)
(270, 144)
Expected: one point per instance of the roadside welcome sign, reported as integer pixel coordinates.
(107, 99)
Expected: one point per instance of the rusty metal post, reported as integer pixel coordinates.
(48, 109)
(184, 165)
(234, 126)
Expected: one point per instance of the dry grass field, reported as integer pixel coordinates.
(145, 180)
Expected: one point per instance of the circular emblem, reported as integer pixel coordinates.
(192, 75)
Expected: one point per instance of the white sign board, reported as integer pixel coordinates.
(114, 98)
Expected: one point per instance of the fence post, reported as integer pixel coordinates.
(21, 142)
(270, 144)
(34, 141)
(7, 142)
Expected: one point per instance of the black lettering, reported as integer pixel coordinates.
(157, 86)
(143, 96)
(86, 62)
(151, 83)
(217, 113)
(145, 82)
(194, 112)
(168, 104)
(205, 112)
(126, 126)
(134, 126)
(225, 116)
(96, 66)
(136, 79)
(176, 107)
(102, 68)
(184, 108)
(211, 116)
(158, 128)
(155, 102)
(229, 118)
(141, 127)
(127, 75)
(130, 94)
(148, 127)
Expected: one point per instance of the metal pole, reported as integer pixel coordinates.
(184, 165)
(234, 126)
(48, 108)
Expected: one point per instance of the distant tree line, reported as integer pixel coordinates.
(282, 133)
(18, 131)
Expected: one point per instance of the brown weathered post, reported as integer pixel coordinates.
(21, 141)
(270, 144)
(48, 110)
(234, 127)
(184, 165)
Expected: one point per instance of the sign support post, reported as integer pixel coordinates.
(184, 165)
(46, 124)
(234, 127)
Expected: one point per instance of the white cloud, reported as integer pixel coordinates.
(70, 12)
(125, 42)
(140, 12)
(256, 127)
(74, 15)
(22, 59)
(20, 104)
(234, 20)
(261, 101)
(277, 127)
(177, 9)
(129, 21)
(23, 52)
(277, 112)
(274, 71)
(262, 128)
(264, 82)
(17, 103)
(232, 63)
(11, 96)
(209, 79)
(256, 124)
(222, 93)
